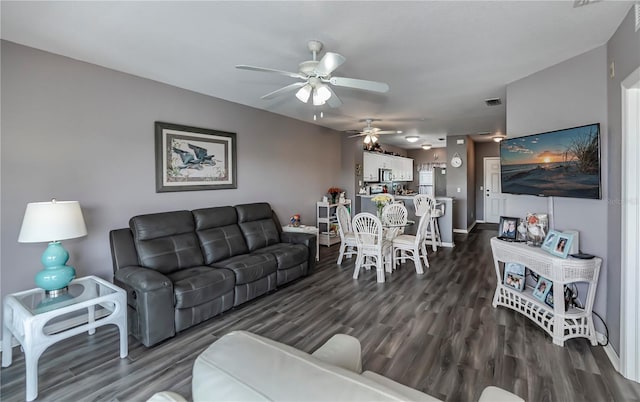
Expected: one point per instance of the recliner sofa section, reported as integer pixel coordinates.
(181, 268)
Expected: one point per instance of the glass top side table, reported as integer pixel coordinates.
(37, 321)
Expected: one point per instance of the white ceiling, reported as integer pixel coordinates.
(440, 59)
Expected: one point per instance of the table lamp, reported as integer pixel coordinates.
(51, 222)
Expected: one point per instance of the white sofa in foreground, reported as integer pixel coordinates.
(242, 366)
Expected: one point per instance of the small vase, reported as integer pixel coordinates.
(379, 208)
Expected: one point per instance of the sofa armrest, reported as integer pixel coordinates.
(151, 301)
(495, 394)
(409, 393)
(307, 239)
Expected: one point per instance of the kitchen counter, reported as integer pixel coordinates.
(445, 222)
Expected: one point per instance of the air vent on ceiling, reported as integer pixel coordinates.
(637, 15)
(493, 101)
(580, 3)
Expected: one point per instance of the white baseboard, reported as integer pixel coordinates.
(463, 231)
(447, 244)
(480, 221)
(611, 353)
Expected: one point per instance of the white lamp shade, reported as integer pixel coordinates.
(304, 93)
(51, 221)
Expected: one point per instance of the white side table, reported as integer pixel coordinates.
(30, 317)
(306, 229)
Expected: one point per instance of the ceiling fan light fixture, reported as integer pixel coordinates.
(374, 139)
(367, 139)
(304, 93)
(426, 147)
(323, 92)
(412, 138)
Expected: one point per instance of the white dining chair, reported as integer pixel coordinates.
(423, 203)
(348, 243)
(371, 245)
(394, 217)
(413, 247)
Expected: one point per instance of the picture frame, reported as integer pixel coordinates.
(192, 158)
(508, 228)
(558, 243)
(542, 289)
(514, 276)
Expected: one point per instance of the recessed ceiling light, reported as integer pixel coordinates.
(426, 146)
(412, 138)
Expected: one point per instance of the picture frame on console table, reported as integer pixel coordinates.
(542, 289)
(508, 228)
(558, 243)
(192, 158)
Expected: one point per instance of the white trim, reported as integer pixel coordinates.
(498, 194)
(630, 232)
(463, 231)
(610, 351)
(480, 221)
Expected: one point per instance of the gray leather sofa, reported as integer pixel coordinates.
(180, 268)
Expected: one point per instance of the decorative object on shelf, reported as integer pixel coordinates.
(543, 287)
(381, 200)
(333, 192)
(514, 275)
(558, 243)
(508, 228)
(522, 230)
(342, 198)
(191, 158)
(537, 227)
(51, 222)
(295, 220)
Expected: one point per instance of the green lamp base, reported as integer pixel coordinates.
(56, 275)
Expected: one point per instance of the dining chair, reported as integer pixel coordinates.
(348, 243)
(423, 203)
(394, 216)
(371, 245)
(413, 247)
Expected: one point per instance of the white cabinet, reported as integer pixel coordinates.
(562, 324)
(371, 163)
(327, 222)
(402, 168)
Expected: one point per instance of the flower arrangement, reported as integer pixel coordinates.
(334, 191)
(381, 200)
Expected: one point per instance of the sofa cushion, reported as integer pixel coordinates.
(219, 234)
(249, 267)
(257, 225)
(166, 241)
(194, 286)
(287, 255)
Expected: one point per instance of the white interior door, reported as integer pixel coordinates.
(630, 276)
(492, 190)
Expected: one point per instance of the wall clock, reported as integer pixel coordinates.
(456, 161)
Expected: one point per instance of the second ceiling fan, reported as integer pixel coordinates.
(371, 134)
(317, 80)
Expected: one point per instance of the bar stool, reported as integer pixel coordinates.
(422, 204)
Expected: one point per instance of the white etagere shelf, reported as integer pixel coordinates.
(325, 217)
(561, 325)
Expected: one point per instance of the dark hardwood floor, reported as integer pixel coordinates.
(436, 332)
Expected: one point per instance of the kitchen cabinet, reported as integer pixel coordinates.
(402, 168)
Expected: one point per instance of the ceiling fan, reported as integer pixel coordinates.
(317, 80)
(371, 134)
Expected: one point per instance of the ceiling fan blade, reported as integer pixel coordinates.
(288, 88)
(271, 70)
(360, 84)
(333, 101)
(385, 132)
(357, 135)
(328, 63)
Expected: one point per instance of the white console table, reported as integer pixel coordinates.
(560, 324)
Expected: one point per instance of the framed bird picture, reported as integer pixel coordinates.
(191, 158)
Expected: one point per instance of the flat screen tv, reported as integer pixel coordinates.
(561, 163)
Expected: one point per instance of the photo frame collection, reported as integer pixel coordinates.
(558, 243)
(514, 276)
(542, 290)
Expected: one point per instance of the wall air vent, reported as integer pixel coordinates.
(493, 101)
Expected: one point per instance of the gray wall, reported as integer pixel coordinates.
(569, 94)
(624, 50)
(458, 178)
(76, 131)
(471, 183)
(482, 150)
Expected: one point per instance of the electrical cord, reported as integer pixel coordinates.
(576, 301)
(605, 328)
